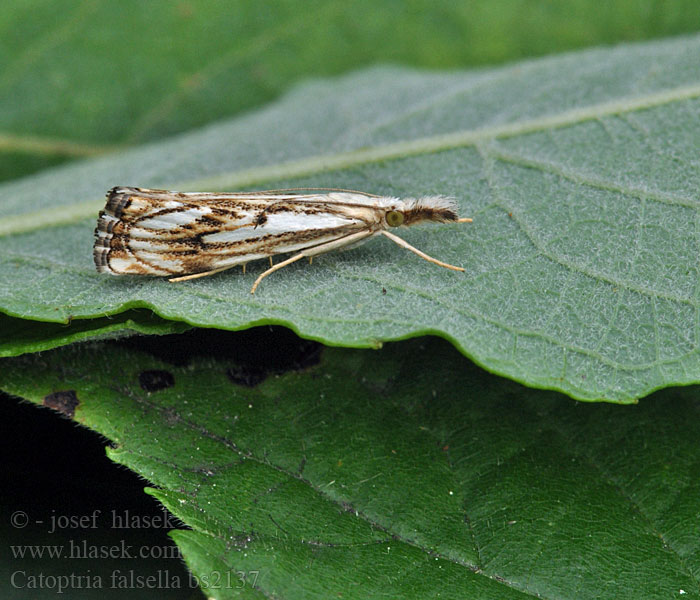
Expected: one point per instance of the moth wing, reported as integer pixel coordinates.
(154, 232)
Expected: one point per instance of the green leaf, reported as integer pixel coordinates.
(82, 77)
(580, 173)
(406, 473)
(18, 336)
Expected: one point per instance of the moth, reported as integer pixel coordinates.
(185, 235)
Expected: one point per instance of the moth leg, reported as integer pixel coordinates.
(311, 252)
(405, 244)
(202, 274)
(311, 259)
(243, 265)
(272, 264)
(274, 268)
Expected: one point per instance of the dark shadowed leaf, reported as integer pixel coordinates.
(405, 472)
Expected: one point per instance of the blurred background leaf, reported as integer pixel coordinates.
(82, 77)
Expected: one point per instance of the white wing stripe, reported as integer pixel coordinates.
(276, 224)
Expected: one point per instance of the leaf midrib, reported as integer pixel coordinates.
(73, 213)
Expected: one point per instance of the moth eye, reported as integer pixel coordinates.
(394, 218)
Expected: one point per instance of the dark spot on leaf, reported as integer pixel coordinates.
(152, 381)
(384, 291)
(64, 402)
